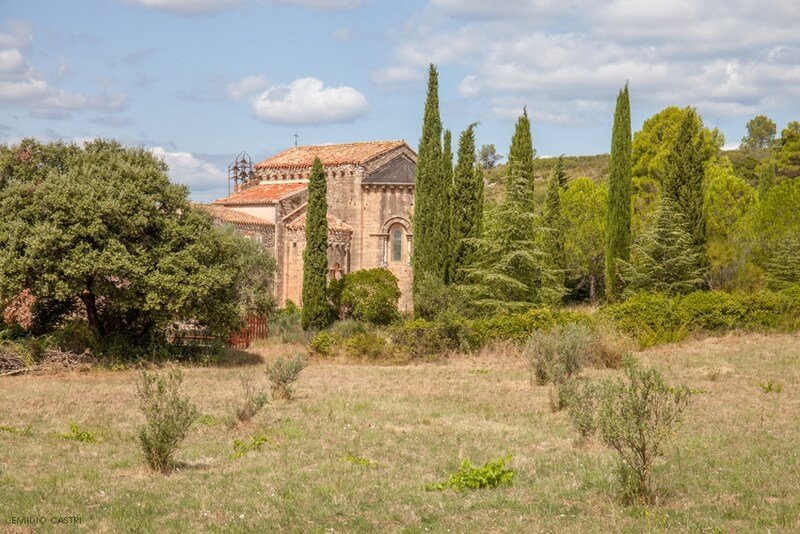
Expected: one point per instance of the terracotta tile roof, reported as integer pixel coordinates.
(261, 194)
(334, 223)
(230, 215)
(331, 155)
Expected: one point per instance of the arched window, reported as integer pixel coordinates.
(397, 244)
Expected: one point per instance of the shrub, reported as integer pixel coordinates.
(422, 338)
(650, 318)
(367, 345)
(635, 418)
(324, 343)
(433, 298)
(252, 403)
(558, 354)
(369, 295)
(582, 407)
(517, 327)
(242, 447)
(168, 416)
(76, 434)
(283, 373)
(710, 310)
(608, 346)
(73, 336)
(286, 325)
(468, 476)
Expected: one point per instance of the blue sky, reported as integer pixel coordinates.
(197, 81)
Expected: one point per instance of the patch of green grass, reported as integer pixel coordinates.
(76, 434)
(358, 460)
(491, 475)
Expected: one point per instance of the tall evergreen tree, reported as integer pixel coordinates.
(444, 198)
(429, 164)
(316, 313)
(512, 272)
(684, 177)
(666, 259)
(552, 220)
(618, 227)
(466, 206)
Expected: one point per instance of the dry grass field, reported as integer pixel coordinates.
(734, 466)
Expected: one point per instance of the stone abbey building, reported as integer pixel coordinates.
(370, 204)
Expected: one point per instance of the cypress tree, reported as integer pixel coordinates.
(512, 272)
(618, 227)
(684, 177)
(665, 260)
(466, 206)
(316, 313)
(429, 164)
(441, 244)
(520, 179)
(552, 220)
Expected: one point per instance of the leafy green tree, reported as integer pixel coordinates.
(765, 171)
(787, 155)
(783, 267)
(618, 231)
(489, 156)
(428, 187)
(370, 295)
(683, 181)
(650, 149)
(584, 207)
(666, 259)
(761, 132)
(444, 201)
(776, 219)
(553, 220)
(101, 231)
(467, 205)
(511, 271)
(729, 200)
(316, 312)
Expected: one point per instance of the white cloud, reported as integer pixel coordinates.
(399, 73)
(568, 58)
(201, 7)
(308, 101)
(188, 7)
(22, 85)
(247, 86)
(186, 169)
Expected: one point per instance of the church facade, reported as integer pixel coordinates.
(370, 205)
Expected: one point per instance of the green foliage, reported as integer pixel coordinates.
(582, 405)
(421, 338)
(729, 201)
(324, 343)
(511, 272)
(316, 313)
(518, 327)
(488, 156)
(100, 230)
(286, 325)
(283, 373)
(636, 417)
(666, 259)
(432, 193)
(775, 221)
(470, 477)
(558, 354)
(683, 182)
(466, 207)
(770, 387)
(653, 318)
(168, 417)
(783, 268)
(369, 295)
(436, 298)
(14, 431)
(584, 207)
(242, 447)
(369, 345)
(76, 434)
(553, 226)
(787, 153)
(761, 132)
(618, 233)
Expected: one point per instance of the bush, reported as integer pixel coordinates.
(650, 318)
(468, 476)
(519, 327)
(252, 403)
(433, 298)
(368, 345)
(72, 336)
(711, 310)
(422, 338)
(635, 418)
(168, 416)
(608, 346)
(76, 434)
(283, 373)
(286, 325)
(582, 406)
(369, 295)
(558, 354)
(242, 447)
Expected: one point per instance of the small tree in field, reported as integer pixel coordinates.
(168, 416)
(636, 417)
